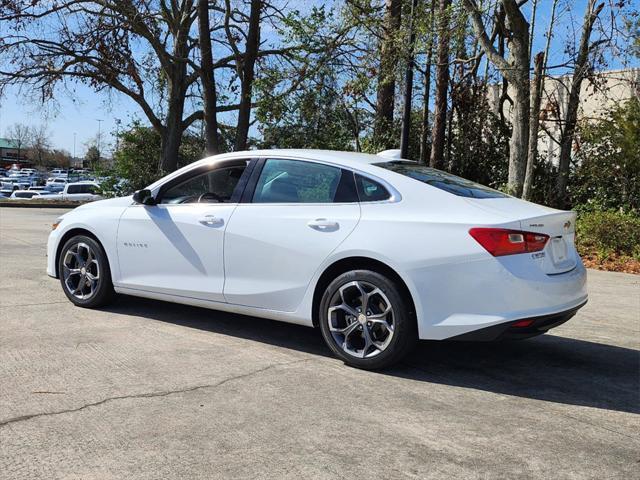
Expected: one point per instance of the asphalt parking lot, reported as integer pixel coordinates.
(146, 389)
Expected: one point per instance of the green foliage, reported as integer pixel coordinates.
(137, 160)
(313, 117)
(479, 141)
(609, 232)
(92, 157)
(607, 175)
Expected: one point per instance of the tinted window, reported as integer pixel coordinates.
(442, 180)
(24, 195)
(297, 181)
(214, 186)
(370, 190)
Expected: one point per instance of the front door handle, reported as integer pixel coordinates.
(323, 225)
(211, 221)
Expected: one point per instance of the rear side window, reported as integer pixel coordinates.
(370, 190)
(442, 180)
(297, 181)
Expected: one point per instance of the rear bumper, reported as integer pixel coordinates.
(511, 331)
(464, 297)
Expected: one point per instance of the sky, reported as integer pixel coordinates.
(76, 111)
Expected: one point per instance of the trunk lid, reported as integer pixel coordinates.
(559, 254)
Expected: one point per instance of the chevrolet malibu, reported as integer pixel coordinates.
(376, 252)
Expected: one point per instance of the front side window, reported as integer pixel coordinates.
(441, 180)
(297, 181)
(214, 186)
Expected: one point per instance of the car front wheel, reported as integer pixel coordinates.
(367, 320)
(84, 272)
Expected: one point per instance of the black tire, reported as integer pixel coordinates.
(102, 291)
(404, 332)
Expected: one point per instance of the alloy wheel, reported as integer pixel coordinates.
(360, 319)
(81, 271)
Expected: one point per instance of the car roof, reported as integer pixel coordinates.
(348, 159)
(356, 161)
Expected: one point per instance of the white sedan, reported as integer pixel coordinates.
(376, 252)
(31, 194)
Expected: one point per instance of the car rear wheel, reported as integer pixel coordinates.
(84, 272)
(367, 320)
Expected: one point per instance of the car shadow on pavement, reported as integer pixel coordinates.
(550, 367)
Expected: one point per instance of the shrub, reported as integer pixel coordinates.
(609, 232)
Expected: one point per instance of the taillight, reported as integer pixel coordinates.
(502, 241)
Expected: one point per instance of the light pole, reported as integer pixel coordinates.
(74, 147)
(99, 120)
(117, 133)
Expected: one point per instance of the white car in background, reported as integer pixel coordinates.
(30, 194)
(375, 252)
(56, 183)
(81, 191)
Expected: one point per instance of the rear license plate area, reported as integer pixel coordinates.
(558, 250)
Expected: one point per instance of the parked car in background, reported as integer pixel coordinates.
(56, 184)
(15, 183)
(57, 172)
(29, 194)
(78, 192)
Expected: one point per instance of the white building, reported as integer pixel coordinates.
(598, 94)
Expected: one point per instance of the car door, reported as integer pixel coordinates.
(176, 246)
(293, 215)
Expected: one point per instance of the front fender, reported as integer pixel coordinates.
(100, 220)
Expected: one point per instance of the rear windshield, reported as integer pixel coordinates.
(442, 180)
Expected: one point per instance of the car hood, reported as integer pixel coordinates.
(110, 202)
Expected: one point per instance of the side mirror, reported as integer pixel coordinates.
(144, 197)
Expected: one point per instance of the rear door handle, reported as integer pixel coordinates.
(211, 221)
(323, 225)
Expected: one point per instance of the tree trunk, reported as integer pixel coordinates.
(436, 159)
(173, 129)
(571, 116)
(519, 60)
(208, 82)
(246, 85)
(519, 142)
(387, 74)
(515, 69)
(408, 92)
(172, 132)
(424, 134)
(534, 124)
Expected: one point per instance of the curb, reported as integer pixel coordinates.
(39, 204)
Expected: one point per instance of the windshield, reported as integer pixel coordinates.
(442, 180)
